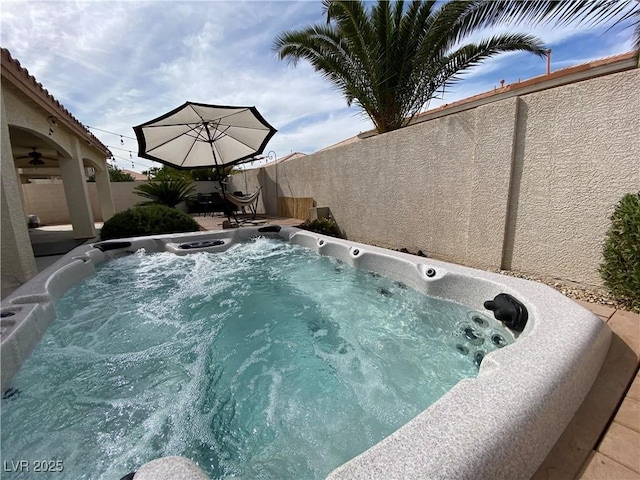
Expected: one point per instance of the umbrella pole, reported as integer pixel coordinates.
(220, 170)
(227, 209)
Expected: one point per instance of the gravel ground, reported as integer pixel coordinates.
(573, 290)
(577, 291)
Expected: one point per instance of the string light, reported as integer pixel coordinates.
(110, 147)
(130, 159)
(52, 123)
(113, 133)
(118, 148)
(136, 163)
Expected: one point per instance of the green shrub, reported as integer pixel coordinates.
(620, 269)
(325, 226)
(147, 220)
(115, 175)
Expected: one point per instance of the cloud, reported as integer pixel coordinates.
(116, 64)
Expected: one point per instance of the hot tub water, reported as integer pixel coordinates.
(265, 361)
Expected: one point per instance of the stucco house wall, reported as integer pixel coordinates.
(24, 114)
(33, 119)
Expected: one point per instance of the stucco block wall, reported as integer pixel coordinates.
(578, 153)
(419, 187)
(396, 190)
(526, 183)
(48, 202)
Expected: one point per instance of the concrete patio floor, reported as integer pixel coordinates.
(602, 442)
(214, 222)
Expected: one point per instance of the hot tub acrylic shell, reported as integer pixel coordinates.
(499, 425)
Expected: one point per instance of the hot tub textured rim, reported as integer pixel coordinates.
(501, 424)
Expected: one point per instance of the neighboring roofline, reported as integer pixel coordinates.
(286, 158)
(27, 84)
(136, 175)
(565, 76)
(349, 140)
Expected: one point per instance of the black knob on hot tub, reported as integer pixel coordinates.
(509, 311)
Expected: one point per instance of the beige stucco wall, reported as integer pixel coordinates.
(24, 114)
(17, 264)
(47, 201)
(417, 187)
(578, 152)
(527, 183)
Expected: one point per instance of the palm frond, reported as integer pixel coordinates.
(490, 13)
(392, 58)
(169, 192)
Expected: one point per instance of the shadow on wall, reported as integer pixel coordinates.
(321, 221)
(522, 116)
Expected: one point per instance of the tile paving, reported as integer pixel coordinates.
(611, 410)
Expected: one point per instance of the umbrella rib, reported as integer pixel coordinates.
(192, 129)
(219, 119)
(221, 133)
(195, 139)
(239, 141)
(224, 133)
(242, 111)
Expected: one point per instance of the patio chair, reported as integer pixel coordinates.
(218, 204)
(203, 202)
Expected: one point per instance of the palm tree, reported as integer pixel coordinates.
(169, 192)
(391, 60)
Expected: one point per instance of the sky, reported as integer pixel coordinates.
(117, 64)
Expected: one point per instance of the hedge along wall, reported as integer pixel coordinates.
(526, 183)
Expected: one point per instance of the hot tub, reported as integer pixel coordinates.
(500, 424)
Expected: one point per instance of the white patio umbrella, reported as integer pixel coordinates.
(198, 135)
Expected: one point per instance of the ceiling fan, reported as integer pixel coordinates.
(35, 157)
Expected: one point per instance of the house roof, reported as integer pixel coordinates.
(20, 78)
(135, 175)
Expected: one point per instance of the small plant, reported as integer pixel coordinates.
(169, 192)
(325, 226)
(620, 269)
(147, 220)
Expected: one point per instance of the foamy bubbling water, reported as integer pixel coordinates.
(266, 361)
